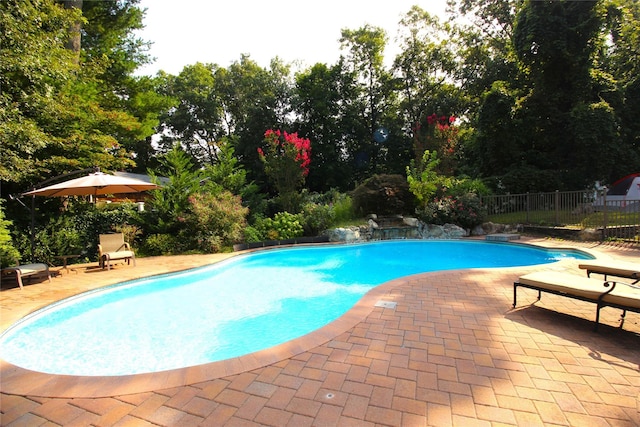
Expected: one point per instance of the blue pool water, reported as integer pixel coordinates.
(245, 304)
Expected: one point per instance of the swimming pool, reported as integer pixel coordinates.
(242, 305)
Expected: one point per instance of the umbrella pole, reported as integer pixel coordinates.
(33, 227)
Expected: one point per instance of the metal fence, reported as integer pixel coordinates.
(616, 217)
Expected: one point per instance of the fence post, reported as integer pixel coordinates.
(604, 213)
(557, 205)
(527, 219)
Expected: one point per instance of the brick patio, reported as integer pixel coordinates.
(452, 352)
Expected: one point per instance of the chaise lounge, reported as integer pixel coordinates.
(113, 247)
(627, 270)
(36, 270)
(620, 295)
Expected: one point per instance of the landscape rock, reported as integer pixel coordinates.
(348, 235)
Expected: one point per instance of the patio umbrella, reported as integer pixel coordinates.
(95, 184)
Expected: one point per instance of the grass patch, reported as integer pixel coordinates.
(566, 218)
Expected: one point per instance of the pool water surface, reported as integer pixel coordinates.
(242, 305)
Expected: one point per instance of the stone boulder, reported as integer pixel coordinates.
(491, 228)
(411, 222)
(348, 235)
(447, 231)
(453, 231)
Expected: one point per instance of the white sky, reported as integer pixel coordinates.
(184, 32)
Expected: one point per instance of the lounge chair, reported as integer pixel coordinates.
(624, 269)
(620, 295)
(36, 270)
(113, 247)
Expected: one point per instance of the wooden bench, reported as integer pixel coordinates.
(36, 270)
(624, 296)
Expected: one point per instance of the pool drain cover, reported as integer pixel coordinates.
(386, 304)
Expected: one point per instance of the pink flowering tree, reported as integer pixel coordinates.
(437, 134)
(286, 158)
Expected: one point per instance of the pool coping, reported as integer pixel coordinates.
(17, 380)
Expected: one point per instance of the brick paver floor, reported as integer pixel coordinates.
(451, 353)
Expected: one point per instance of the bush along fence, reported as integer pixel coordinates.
(611, 216)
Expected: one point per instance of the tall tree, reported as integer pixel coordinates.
(487, 71)
(322, 95)
(483, 43)
(74, 112)
(147, 101)
(555, 42)
(196, 120)
(238, 103)
(33, 32)
(254, 99)
(111, 49)
(375, 98)
(426, 69)
(620, 59)
(111, 52)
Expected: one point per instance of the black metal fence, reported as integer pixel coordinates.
(615, 216)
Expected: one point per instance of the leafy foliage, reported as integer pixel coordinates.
(443, 199)
(163, 244)
(216, 220)
(228, 174)
(196, 207)
(327, 120)
(76, 231)
(317, 218)
(170, 202)
(9, 255)
(29, 102)
(424, 181)
(83, 108)
(343, 208)
(282, 226)
(465, 211)
(383, 195)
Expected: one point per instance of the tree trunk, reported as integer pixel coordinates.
(75, 41)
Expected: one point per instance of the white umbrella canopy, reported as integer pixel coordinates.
(95, 184)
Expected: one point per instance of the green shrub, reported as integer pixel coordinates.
(252, 234)
(64, 240)
(131, 233)
(465, 211)
(383, 195)
(61, 235)
(463, 186)
(316, 218)
(161, 244)
(9, 255)
(216, 220)
(283, 225)
(343, 209)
